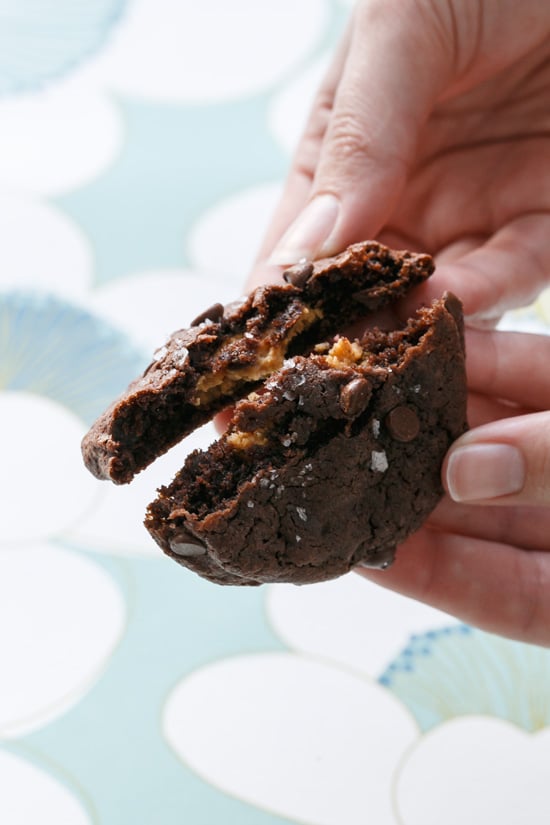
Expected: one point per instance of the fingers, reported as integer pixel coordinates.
(510, 365)
(297, 187)
(506, 462)
(497, 587)
(508, 270)
(391, 78)
(521, 526)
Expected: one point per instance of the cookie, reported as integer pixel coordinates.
(227, 351)
(331, 463)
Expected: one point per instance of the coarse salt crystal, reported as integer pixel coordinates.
(379, 461)
(375, 427)
(302, 513)
(181, 357)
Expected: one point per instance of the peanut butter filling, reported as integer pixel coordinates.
(241, 440)
(269, 360)
(344, 353)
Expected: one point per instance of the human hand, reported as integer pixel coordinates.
(484, 555)
(431, 131)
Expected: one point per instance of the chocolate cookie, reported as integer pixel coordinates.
(227, 351)
(332, 462)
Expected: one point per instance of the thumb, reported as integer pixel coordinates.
(504, 462)
(398, 62)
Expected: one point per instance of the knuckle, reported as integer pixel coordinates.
(348, 139)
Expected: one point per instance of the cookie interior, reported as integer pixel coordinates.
(227, 353)
(211, 479)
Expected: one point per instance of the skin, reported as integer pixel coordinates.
(431, 131)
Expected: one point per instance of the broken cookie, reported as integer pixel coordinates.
(227, 351)
(333, 453)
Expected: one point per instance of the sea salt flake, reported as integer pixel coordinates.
(181, 357)
(379, 461)
(160, 353)
(287, 442)
(417, 388)
(302, 513)
(298, 538)
(375, 427)
(250, 504)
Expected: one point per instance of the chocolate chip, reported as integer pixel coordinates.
(213, 313)
(185, 544)
(299, 275)
(355, 396)
(403, 424)
(380, 560)
(369, 298)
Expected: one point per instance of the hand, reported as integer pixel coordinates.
(431, 131)
(484, 555)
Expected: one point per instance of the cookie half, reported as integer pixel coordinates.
(332, 462)
(229, 350)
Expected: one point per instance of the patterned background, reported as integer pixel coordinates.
(142, 147)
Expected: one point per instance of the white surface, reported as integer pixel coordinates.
(350, 621)
(238, 224)
(56, 255)
(43, 485)
(254, 725)
(61, 617)
(476, 771)
(174, 50)
(29, 796)
(56, 140)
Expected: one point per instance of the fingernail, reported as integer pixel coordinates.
(484, 471)
(309, 232)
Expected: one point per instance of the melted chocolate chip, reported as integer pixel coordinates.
(369, 298)
(380, 560)
(403, 424)
(185, 544)
(299, 275)
(213, 313)
(187, 549)
(355, 396)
